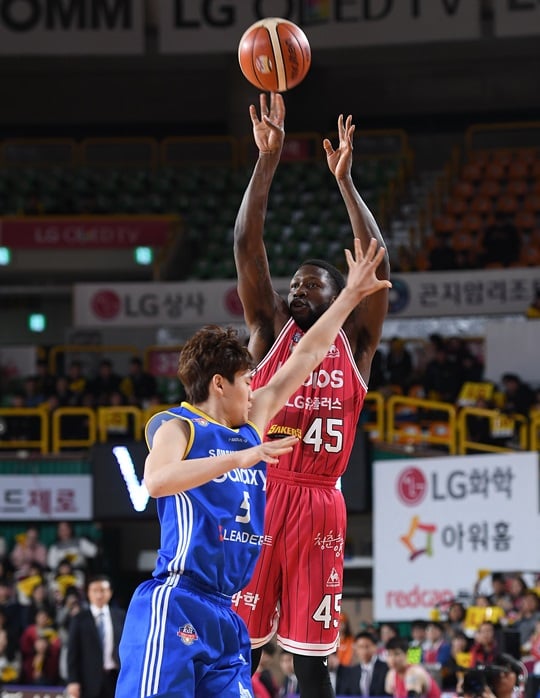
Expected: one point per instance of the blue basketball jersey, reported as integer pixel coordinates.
(214, 532)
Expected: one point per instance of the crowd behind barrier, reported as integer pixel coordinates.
(42, 588)
(430, 392)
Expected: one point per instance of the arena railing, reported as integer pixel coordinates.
(18, 439)
(504, 427)
(413, 421)
(409, 421)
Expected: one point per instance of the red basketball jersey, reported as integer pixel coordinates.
(323, 412)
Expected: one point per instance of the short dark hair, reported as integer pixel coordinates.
(397, 643)
(337, 277)
(366, 635)
(211, 350)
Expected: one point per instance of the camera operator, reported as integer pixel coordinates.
(502, 679)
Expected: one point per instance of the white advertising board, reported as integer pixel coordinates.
(437, 521)
(517, 17)
(203, 27)
(73, 27)
(45, 497)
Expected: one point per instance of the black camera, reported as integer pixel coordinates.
(474, 682)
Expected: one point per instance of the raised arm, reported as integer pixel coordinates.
(264, 310)
(362, 282)
(364, 328)
(166, 473)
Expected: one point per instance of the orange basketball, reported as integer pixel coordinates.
(274, 54)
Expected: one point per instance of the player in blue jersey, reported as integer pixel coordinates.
(207, 469)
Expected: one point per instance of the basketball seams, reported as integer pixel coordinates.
(275, 41)
(274, 54)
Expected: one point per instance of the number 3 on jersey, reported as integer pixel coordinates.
(323, 613)
(325, 431)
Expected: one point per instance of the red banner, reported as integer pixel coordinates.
(83, 232)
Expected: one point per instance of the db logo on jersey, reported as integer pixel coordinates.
(187, 634)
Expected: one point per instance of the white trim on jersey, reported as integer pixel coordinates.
(344, 339)
(184, 514)
(306, 648)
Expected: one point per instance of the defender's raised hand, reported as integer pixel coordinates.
(362, 278)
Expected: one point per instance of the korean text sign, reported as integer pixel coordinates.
(437, 521)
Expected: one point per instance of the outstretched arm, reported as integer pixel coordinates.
(365, 328)
(362, 282)
(165, 473)
(260, 302)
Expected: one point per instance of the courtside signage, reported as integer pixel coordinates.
(438, 521)
(75, 27)
(45, 497)
(203, 27)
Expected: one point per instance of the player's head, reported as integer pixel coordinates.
(396, 653)
(314, 286)
(212, 350)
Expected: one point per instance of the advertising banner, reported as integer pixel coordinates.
(184, 304)
(437, 294)
(45, 497)
(438, 521)
(517, 18)
(136, 304)
(80, 232)
(77, 27)
(203, 27)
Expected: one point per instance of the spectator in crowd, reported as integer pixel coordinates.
(405, 680)
(40, 651)
(43, 380)
(139, 385)
(484, 648)
(105, 383)
(25, 585)
(92, 649)
(367, 675)
(63, 394)
(377, 377)
(38, 600)
(387, 631)
(527, 617)
(501, 244)
(77, 549)
(442, 377)
(77, 381)
(418, 634)
(518, 396)
(496, 589)
(70, 606)
(264, 683)
(64, 579)
(32, 396)
(451, 668)
(13, 614)
(442, 255)
(399, 365)
(10, 661)
(344, 650)
(333, 667)
(503, 680)
(517, 588)
(28, 549)
(289, 685)
(436, 651)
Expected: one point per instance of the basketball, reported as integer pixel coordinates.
(274, 54)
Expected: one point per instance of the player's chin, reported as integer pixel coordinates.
(303, 316)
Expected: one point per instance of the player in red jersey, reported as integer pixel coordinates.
(297, 585)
